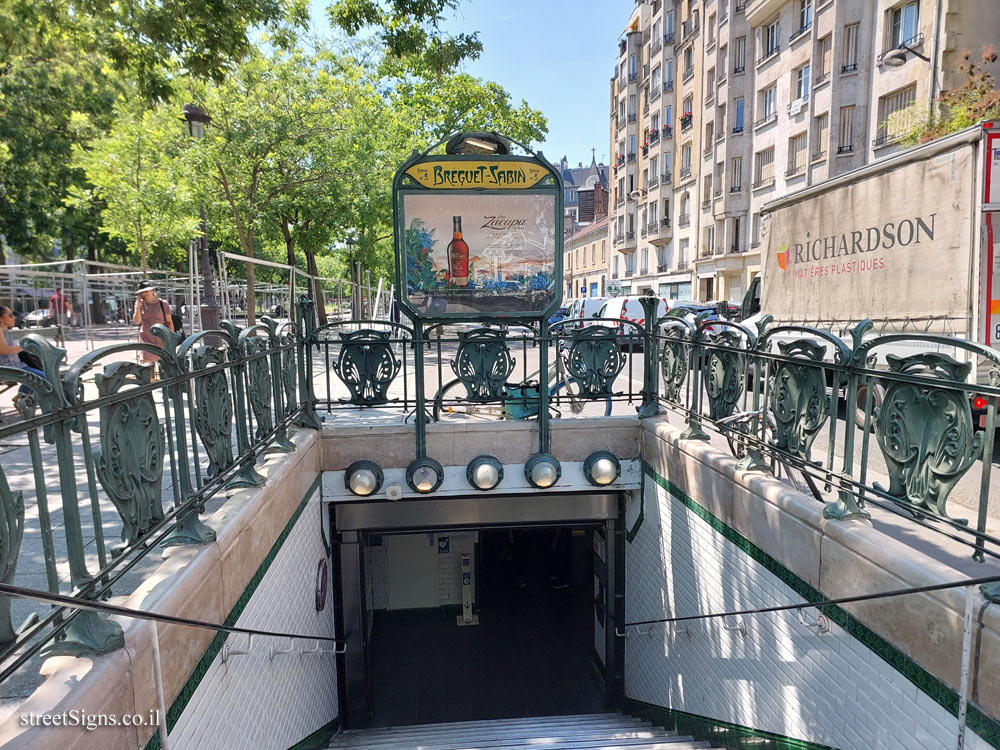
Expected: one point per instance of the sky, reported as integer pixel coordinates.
(558, 55)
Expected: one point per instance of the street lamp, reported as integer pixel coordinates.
(896, 57)
(197, 118)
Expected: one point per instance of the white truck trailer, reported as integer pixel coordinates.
(911, 242)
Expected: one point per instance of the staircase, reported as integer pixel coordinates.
(583, 732)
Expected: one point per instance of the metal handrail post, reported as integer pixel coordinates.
(650, 406)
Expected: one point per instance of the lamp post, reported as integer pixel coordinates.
(197, 118)
(355, 287)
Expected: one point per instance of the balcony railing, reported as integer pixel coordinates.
(707, 151)
(792, 171)
(685, 171)
(668, 38)
(688, 28)
(846, 149)
(737, 129)
(768, 54)
(653, 227)
(645, 149)
(632, 117)
(821, 78)
(654, 93)
(632, 77)
(707, 202)
(736, 188)
(653, 135)
(630, 236)
(686, 121)
(643, 230)
(631, 156)
(817, 156)
(668, 86)
(662, 267)
(766, 120)
(737, 69)
(668, 132)
(688, 74)
(796, 34)
(763, 182)
(619, 238)
(886, 139)
(645, 71)
(740, 7)
(665, 222)
(653, 181)
(684, 220)
(683, 265)
(849, 67)
(656, 46)
(643, 270)
(736, 249)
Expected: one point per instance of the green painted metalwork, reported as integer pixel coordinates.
(723, 370)
(130, 462)
(213, 408)
(674, 361)
(259, 383)
(650, 405)
(798, 398)
(277, 376)
(248, 475)
(926, 433)
(367, 366)
(307, 396)
(483, 363)
(594, 360)
(11, 533)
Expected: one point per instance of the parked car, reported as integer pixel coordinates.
(584, 308)
(559, 314)
(630, 308)
(39, 317)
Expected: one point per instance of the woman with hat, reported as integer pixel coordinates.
(150, 310)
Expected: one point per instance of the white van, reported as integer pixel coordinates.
(629, 308)
(582, 309)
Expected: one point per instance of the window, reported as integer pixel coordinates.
(686, 156)
(652, 212)
(709, 239)
(720, 174)
(825, 47)
(903, 23)
(709, 135)
(821, 128)
(621, 110)
(593, 253)
(769, 40)
(768, 102)
(738, 115)
(720, 117)
(603, 249)
(846, 143)
(685, 203)
(801, 87)
(631, 104)
(633, 64)
(706, 193)
(656, 30)
(668, 27)
(682, 251)
(654, 123)
(723, 54)
(669, 79)
(764, 166)
(689, 60)
(850, 59)
(710, 83)
(805, 14)
(755, 229)
(653, 171)
(739, 54)
(711, 29)
(736, 174)
(644, 267)
(895, 115)
(668, 115)
(614, 267)
(796, 153)
(656, 79)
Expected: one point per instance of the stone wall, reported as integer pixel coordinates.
(713, 539)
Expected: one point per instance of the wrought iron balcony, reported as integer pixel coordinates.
(619, 238)
(632, 117)
(849, 67)
(740, 7)
(763, 182)
(653, 227)
(631, 156)
(688, 74)
(907, 44)
(886, 139)
(768, 54)
(656, 45)
(668, 87)
(846, 149)
(800, 32)
(736, 188)
(686, 121)
(684, 220)
(668, 132)
(821, 78)
(645, 149)
(683, 265)
(653, 181)
(737, 69)
(662, 267)
(737, 129)
(685, 171)
(654, 93)
(654, 135)
(792, 171)
(735, 249)
(665, 222)
(643, 230)
(668, 38)
(645, 71)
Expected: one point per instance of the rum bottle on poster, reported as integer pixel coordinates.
(458, 255)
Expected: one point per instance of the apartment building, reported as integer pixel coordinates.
(720, 106)
(585, 269)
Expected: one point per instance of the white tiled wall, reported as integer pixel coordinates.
(252, 701)
(449, 569)
(782, 676)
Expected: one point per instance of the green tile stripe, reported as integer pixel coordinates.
(201, 669)
(985, 726)
(318, 740)
(719, 733)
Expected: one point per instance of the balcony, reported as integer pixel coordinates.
(736, 249)
(619, 123)
(740, 7)
(656, 46)
(707, 151)
(653, 227)
(632, 117)
(645, 71)
(645, 149)
(710, 96)
(630, 237)
(707, 203)
(913, 41)
(849, 68)
(653, 181)
(668, 87)
(654, 93)
(631, 156)
(818, 156)
(656, 6)
(738, 69)
(886, 139)
(620, 202)
(662, 267)
(820, 79)
(619, 238)
(683, 265)
(685, 172)
(769, 54)
(653, 135)
(766, 120)
(632, 77)
(686, 121)
(643, 231)
(846, 149)
(689, 28)
(667, 131)
(763, 182)
(684, 220)
(794, 170)
(665, 222)
(737, 129)
(799, 34)
(736, 189)
(668, 38)
(643, 270)
(620, 161)
(688, 74)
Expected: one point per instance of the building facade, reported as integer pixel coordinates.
(585, 270)
(719, 107)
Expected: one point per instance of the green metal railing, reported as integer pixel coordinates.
(104, 435)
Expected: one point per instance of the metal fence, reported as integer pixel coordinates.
(127, 445)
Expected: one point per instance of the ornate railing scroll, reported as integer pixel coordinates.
(483, 363)
(366, 357)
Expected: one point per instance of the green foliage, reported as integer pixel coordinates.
(410, 32)
(977, 99)
(138, 171)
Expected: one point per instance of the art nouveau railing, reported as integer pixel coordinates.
(122, 459)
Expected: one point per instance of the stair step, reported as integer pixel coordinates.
(485, 742)
(612, 718)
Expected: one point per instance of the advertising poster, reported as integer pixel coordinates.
(471, 254)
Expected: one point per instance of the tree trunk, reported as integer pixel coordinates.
(316, 286)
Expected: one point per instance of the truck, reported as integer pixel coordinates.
(910, 242)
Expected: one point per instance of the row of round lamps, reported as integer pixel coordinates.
(424, 475)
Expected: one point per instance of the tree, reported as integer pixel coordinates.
(410, 33)
(138, 171)
(977, 99)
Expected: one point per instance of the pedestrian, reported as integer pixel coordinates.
(57, 307)
(150, 310)
(10, 351)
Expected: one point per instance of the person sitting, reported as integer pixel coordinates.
(9, 350)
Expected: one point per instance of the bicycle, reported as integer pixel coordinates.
(522, 400)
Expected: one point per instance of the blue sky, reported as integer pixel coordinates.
(558, 55)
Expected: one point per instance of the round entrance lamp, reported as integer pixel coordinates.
(363, 478)
(484, 472)
(542, 471)
(477, 142)
(601, 468)
(424, 475)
